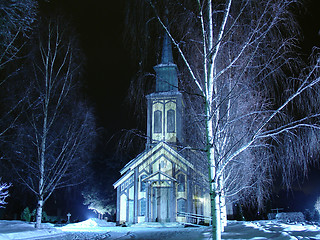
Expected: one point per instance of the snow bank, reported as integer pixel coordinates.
(292, 231)
(299, 227)
(158, 225)
(92, 224)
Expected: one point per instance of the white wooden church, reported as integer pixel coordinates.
(162, 184)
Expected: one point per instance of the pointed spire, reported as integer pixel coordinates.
(166, 50)
(166, 71)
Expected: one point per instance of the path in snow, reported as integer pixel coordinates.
(94, 229)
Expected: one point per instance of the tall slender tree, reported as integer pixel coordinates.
(237, 61)
(55, 134)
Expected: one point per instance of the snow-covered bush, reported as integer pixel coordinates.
(4, 193)
(272, 216)
(290, 217)
(310, 215)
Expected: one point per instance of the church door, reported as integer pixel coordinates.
(160, 204)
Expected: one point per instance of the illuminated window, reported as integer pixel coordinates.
(181, 205)
(181, 183)
(171, 121)
(157, 121)
(142, 183)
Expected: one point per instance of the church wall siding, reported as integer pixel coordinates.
(130, 205)
(173, 202)
(118, 206)
(136, 189)
(148, 212)
(141, 172)
(125, 190)
(189, 194)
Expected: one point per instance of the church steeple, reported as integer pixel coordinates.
(166, 71)
(164, 122)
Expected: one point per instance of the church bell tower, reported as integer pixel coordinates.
(165, 104)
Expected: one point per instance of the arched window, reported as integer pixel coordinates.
(181, 205)
(171, 121)
(142, 207)
(157, 121)
(181, 183)
(142, 183)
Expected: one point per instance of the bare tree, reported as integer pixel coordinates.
(238, 55)
(55, 135)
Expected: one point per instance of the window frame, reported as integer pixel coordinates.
(171, 121)
(157, 121)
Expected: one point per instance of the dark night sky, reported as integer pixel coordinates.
(109, 68)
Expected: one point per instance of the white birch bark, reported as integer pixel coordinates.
(39, 214)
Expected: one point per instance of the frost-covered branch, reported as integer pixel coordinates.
(4, 193)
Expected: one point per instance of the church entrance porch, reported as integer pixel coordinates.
(161, 200)
(160, 204)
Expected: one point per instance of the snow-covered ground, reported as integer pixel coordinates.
(271, 230)
(23, 230)
(99, 229)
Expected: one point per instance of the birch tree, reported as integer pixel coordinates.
(55, 135)
(236, 58)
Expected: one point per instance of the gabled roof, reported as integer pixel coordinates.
(147, 153)
(122, 179)
(159, 176)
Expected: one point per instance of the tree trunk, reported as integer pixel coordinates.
(223, 211)
(215, 214)
(218, 217)
(39, 213)
(216, 234)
